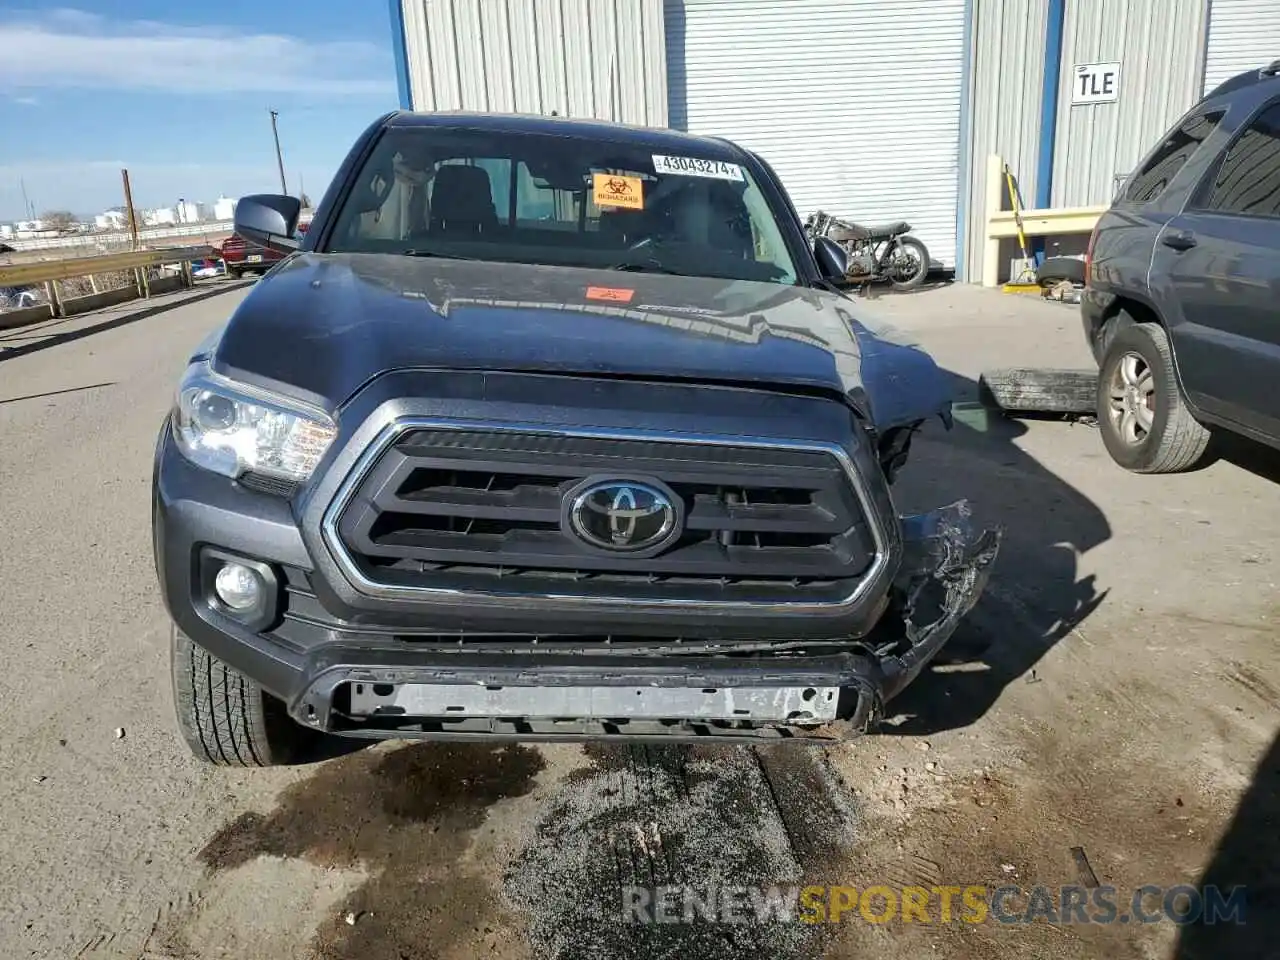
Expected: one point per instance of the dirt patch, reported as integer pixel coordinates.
(1251, 680)
(702, 818)
(404, 816)
(931, 819)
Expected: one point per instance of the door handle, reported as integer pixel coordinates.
(1178, 239)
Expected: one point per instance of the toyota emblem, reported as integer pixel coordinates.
(622, 516)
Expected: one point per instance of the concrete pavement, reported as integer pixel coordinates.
(95, 827)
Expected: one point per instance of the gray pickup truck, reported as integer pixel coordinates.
(547, 429)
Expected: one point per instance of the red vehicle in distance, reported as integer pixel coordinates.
(242, 256)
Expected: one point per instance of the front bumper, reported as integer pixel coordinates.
(317, 664)
(944, 574)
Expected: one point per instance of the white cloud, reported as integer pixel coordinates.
(25, 101)
(74, 49)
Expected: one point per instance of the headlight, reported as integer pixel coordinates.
(232, 428)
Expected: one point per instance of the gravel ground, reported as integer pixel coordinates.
(1117, 690)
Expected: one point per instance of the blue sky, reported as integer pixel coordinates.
(179, 94)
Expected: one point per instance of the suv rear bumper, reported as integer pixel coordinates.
(1094, 305)
(336, 638)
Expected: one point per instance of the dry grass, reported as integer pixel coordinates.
(83, 286)
(78, 287)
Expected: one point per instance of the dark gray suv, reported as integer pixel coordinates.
(1182, 299)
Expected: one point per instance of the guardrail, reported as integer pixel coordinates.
(1002, 224)
(51, 274)
(116, 238)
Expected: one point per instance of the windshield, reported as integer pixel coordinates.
(560, 200)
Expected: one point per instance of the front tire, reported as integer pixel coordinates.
(1143, 418)
(908, 263)
(227, 719)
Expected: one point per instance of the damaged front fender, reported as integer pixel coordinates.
(944, 570)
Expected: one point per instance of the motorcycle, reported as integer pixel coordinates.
(876, 253)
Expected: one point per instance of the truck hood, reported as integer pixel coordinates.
(320, 326)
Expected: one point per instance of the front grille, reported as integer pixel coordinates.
(478, 510)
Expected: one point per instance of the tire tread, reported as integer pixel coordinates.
(224, 717)
(1182, 439)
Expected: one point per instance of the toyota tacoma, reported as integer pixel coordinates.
(547, 429)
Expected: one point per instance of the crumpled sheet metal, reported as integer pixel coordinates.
(945, 568)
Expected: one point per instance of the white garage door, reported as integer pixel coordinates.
(1243, 35)
(855, 103)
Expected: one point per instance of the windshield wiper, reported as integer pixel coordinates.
(432, 253)
(647, 265)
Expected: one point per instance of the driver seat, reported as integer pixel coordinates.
(462, 202)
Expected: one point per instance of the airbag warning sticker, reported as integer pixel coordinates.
(694, 167)
(612, 190)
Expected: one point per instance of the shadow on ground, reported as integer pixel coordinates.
(1247, 857)
(1036, 595)
(1259, 459)
(35, 340)
(57, 393)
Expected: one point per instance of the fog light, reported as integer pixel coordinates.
(239, 587)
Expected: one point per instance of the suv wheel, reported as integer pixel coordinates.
(226, 718)
(1145, 423)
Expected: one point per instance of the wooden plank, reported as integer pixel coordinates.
(25, 315)
(1044, 223)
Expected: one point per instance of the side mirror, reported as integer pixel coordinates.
(269, 219)
(832, 260)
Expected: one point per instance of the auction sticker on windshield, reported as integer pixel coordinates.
(613, 190)
(695, 167)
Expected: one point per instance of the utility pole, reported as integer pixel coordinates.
(279, 157)
(26, 201)
(128, 207)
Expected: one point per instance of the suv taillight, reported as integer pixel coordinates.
(1088, 253)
